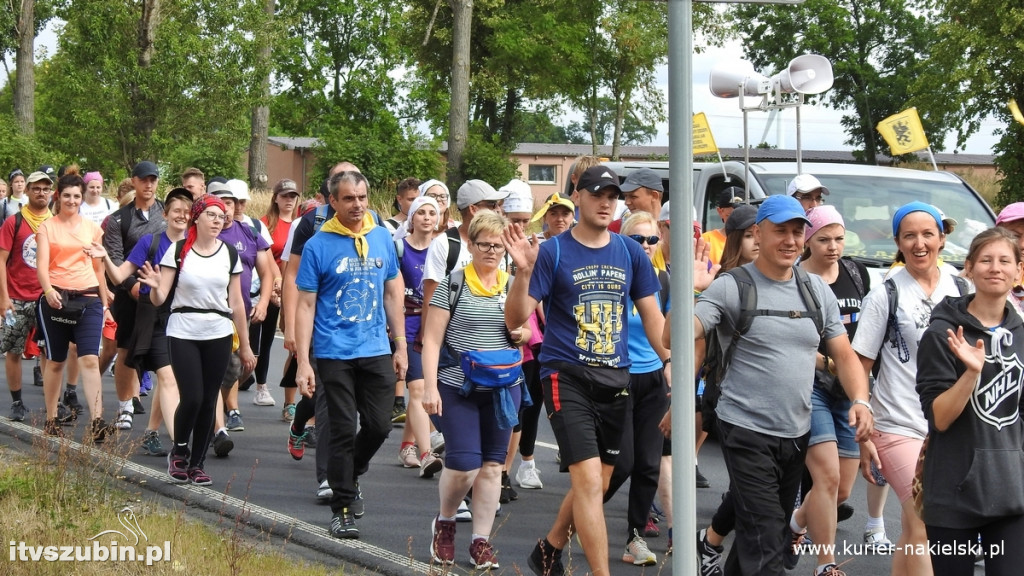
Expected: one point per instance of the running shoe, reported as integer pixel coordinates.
(234, 421)
(263, 397)
(442, 544)
(637, 553)
(528, 476)
(407, 457)
(151, 444)
(710, 556)
(343, 525)
(482, 554)
(18, 411)
(222, 444)
(430, 465)
(546, 562)
(296, 444)
(288, 414)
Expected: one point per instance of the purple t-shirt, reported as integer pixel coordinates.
(412, 272)
(140, 253)
(248, 243)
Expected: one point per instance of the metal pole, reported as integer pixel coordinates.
(680, 105)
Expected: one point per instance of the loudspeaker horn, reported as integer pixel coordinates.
(807, 74)
(728, 79)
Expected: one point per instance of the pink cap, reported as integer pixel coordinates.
(90, 176)
(821, 216)
(1010, 213)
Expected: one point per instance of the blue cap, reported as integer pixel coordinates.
(778, 209)
(915, 206)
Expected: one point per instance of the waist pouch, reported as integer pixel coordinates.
(495, 370)
(72, 308)
(603, 384)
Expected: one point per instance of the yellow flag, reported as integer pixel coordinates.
(903, 132)
(703, 140)
(1015, 111)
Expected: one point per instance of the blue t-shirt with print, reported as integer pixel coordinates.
(643, 356)
(349, 321)
(584, 293)
(247, 243)
(140, 253)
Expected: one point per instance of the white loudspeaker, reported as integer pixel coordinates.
(807, 74)
(728, 79)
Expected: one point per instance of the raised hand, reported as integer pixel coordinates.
(973, 357)
(520, 248)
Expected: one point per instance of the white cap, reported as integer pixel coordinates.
(804, 183)
(239, 189)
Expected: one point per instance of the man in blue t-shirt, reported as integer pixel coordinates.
(583, 276)
(350, 292)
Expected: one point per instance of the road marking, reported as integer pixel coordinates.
(240, 508)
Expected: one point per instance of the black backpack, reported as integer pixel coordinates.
(717, 359)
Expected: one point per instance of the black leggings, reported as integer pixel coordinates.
(1000, 540)
(529, 416)
(199, 367)
(262, 336)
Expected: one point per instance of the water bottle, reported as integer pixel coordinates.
(9, 317)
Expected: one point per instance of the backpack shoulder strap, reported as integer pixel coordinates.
(854, 271)
(154, 244)
(454, 249)
(18, 219)
(892, 295)
(810, 298)
(400, 250)
(962, 285)
(663, 278)
(125, 220)
(456, 282)
(319, 217)
(748, 300)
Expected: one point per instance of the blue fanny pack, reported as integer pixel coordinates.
(496, 370)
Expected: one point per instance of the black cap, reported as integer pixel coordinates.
(743, 217)
(178, 193)
(145, 169)
(15, 172)
(597, 178)
(643, 178)
(48, 170)
(731, 197)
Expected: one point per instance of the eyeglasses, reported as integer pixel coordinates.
(489, 204)
(816, 198)
(438, 197)
(489, 247)
(649, 240)
(214, 216)
(38, 189)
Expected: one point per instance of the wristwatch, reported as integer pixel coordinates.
(866, 404)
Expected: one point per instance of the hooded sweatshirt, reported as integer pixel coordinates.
(974, 471)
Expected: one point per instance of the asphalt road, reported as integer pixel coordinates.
(278, 495)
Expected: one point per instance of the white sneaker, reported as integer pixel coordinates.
(407, 456)
(324, 492)
(263, 397)
(876, 541)
(528, 476)
(637, 552)
(463, 514)
(436, 442)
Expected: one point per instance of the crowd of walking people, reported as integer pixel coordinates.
(466, 327)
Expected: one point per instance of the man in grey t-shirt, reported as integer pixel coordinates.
(765, 409)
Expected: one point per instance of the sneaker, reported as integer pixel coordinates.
(177, 468)
(311, 437)
(436, 442)
(791, 556)
(66, 416)
(100, 430)
(37, 376)
(52, 428)
(464, 514)
(829, 570)
(546, 563)
(145, 384)
(263, 397)
(637, 553)
(151, 444)
(442, 544)
(358, 506)
(398, 413)
(234, 422)
(651, 529)
(247, 383)
(876, 541)
(18, 411)
(288, 414)
(710, 556)
(124, 420)
(844, 512)
(508, 494)
(528, 476)
(482, 554)
(430, 465)
(343, 525)
(702, 481)
(407, 457)
(137, 406)
(198, 477)
(296, 444)
(324, 492)
(222, 444)
(71, 400)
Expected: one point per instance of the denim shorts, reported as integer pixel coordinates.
(830, 423)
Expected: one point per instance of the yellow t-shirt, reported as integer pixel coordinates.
(658, 260)
(715, 238)
(70, 267)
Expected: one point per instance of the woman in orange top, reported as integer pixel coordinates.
(71, 307)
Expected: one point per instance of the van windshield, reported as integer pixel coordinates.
(867, 204)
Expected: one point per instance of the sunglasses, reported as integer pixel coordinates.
(649, 240)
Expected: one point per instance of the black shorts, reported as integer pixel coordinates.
(123, 310)
(586, 417)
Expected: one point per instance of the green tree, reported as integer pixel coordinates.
(877, 49)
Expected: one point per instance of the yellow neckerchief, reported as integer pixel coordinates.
(33, 219)
(362, 247)
(478, 289)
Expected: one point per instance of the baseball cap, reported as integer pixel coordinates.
(145, 169)
(474, 191)
(285, 185)
(182, 193)
(597, 178)
(821, 216)
(743, 217)
(239, 189)
(37, 177)
(731, 197)
(1010, 213)
(804, 183)
(915, 206)
(15, 172)
(947, 223)
(219, 189)
(554, 200)
(778, 209)
(48, 170)
(642, 178)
